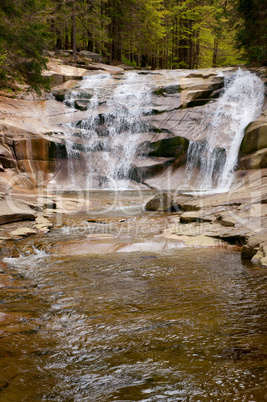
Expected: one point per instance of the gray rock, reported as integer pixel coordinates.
(93, 56)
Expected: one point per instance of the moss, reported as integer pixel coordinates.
(169, 90)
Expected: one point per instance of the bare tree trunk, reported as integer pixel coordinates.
(74, 43)
(215, 52)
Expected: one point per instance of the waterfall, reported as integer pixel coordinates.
(107, 137)
(215, 158)
(110, 116)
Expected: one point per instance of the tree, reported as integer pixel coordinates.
(23, 37)
(252, 30)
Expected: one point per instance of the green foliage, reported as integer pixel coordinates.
(23, 37)
(155, 33)
(252, 32)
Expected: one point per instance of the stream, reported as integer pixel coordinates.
(151, 325)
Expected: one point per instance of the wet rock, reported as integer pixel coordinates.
(60, 93)
(253, 245)
(146, 168)
(161, 202)
(199, 90)
(261, 255)
(169, 148)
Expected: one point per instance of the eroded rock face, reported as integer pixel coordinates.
(33, 139)
(253, 150)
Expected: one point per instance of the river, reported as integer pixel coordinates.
(181, 324)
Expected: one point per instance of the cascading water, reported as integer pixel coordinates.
(102, 142)
(215, 158)
(107, 137)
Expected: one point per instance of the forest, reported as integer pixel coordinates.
(155, 34)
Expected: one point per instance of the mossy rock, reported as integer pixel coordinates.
(168, 90)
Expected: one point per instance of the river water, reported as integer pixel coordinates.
(181, 324)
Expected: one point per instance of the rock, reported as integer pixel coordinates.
(256, 160)
(148, 167)
(104, 67)
(199, 241)
(261, 255)
(199, 90)
(14, 212)
(227, 219)
(93, 56)
(161, 202)
(255, 137)
(22, 232)
(60, 73)
(7, 157)
(169, 148)
(60, 93)
(188, 217)
(194, 205)
(81, 105)
(42, 223)
(253, 245)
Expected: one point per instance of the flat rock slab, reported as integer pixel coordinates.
(21, 232)
(197, 241)
(192, 216)
(14, 212)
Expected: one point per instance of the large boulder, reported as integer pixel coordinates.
(93, 56)
(255, 137)
(161, 202)
(253, 149)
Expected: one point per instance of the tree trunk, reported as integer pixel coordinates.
(74, 43)
(215, 52)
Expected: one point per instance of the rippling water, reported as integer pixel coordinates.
(183, 325)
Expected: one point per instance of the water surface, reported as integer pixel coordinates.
(180, 325)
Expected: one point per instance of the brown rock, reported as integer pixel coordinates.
(14, 212)
(161, 202)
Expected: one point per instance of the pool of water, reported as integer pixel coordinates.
(179, 325)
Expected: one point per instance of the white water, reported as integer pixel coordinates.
(216, 158)
(102, 147)
(106, 137)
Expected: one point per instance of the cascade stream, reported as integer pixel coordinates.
(117, 121)
(110, 135)
(215, 159)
